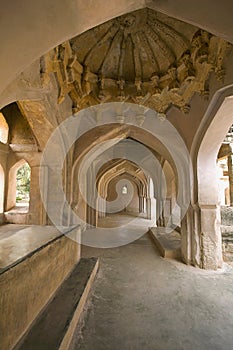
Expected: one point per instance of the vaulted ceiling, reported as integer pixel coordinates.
(142, 57)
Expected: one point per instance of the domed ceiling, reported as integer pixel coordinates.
(133, 47)
(143, 57)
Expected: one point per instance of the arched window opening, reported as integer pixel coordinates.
(225, 185)
(225, 170)
(23, 176)
(224, 194)
(2, 189)
(124, 190)
(4, 129)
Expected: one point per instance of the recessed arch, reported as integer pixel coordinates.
(114, 194)
(171, 210)
(209, 148)
(117, 132)
(102, 135)
(12, 184)
(207, 177)
(116, 168)
(201, 225)
(2, 189)
(4, 129)
(110, 176)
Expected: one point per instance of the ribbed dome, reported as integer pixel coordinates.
(133, 47)
(143, 57)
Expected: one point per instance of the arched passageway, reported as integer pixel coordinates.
(120, 121)
(133, 188)
(2, 189)
(119, 149)
(18, 184)
(225, 177)
(202, 222)
(18, 193)
(167, 189)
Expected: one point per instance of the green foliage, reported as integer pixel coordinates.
(23, 182)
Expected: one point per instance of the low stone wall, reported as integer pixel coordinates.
(27, 287)
(227, 232)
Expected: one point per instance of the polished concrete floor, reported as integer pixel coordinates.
(141, 301)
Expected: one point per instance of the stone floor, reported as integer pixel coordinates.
(141, 301)
(19, 208)
(116, 230)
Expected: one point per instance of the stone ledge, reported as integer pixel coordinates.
(168, 242)
(31, 278)
(55, 326)
(35, 239)
(15, 218)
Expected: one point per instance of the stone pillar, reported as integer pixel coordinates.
(100, 209)
(159, 212)
(196, 236)
(211, 245)
(54, 196)
(91, 199)
(37, 214)
(141, 204)
(91, 216)
(206, 242)
(186, 234)
(201, 244)
(230, 174)
(148, 208)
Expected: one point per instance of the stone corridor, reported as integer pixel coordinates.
(112, 111)
(142, 301)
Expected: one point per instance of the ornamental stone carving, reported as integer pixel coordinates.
(143, 57)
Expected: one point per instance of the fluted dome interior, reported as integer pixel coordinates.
(143, 57)
(134, 46)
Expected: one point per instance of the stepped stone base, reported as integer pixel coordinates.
(168, 242)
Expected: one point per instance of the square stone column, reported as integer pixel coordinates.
(37, 214)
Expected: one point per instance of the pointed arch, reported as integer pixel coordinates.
(12, 184)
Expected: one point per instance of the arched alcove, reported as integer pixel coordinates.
(4, 129)
(171, 211)
(2, 189)
(19, 185)
(225, 177)
(125, 192)
(208, 202)
(108, 134)
(108, 174)
(112, 182)
(23, 176)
